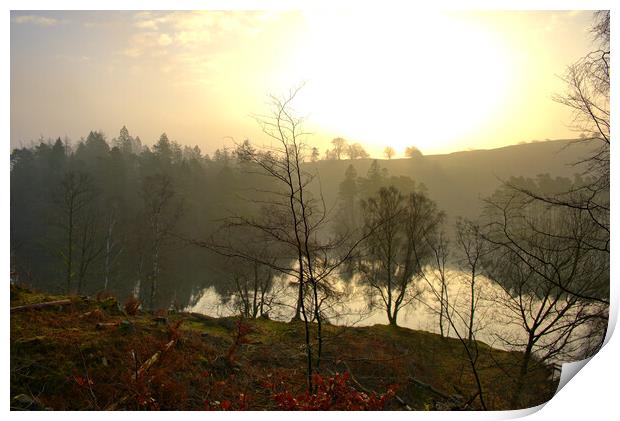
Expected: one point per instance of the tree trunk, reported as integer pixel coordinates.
(300, 297)
(393, 317)
(108, 252)
(154, 277)
(442, 306)
(472, 306)
(516, 398)
(41, 305)
(70, 249)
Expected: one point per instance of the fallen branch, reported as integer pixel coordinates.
(141, 371)
(364, 389)
(41, 305)
(470, 400)
(148, 363)
(431, 388)
(457, 401)
(113, 406)
(87, 314)
(94, 314)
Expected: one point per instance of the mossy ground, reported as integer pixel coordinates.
(60, 360)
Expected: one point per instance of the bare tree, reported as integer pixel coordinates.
(553, 246)
(539, 252)
(587, 97)
(451, 316)
(439, 275)
(395, 250)
(340, 147)
(472, 249)
(588, 86)
(389, 152)
(329, 155)
(252, 291)
(75, 195)
(290, 216)
(89, 245)
(356, 151)
(113, 247)
(314, 155)
(413, 152)
(161, 214)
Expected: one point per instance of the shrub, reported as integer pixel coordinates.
(240, 337)
(132, 305)
(332, 393)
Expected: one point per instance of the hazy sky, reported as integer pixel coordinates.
(440, 81)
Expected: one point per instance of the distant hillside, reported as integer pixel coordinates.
(458, 181)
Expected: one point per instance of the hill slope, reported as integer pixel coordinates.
(89, 354)
(458, 181)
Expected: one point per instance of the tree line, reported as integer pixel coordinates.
(106, 216)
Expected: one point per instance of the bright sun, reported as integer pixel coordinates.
(399, 80)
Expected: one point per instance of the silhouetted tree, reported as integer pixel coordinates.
(136, 145)
(124, 141)
(472, 250)
(75, 195)
(356, 151)
(389, 152)
(413, 152)
(315, 154)
(450, 315)
(163, 149)
(330, 155)
(438, 274)
(587, 83)
(340, 146)
(396, 249)
(253, 281)
(348, 193)
(89, 245)
(113, 247)
(290, 216)
(161, 215)
(553, 282)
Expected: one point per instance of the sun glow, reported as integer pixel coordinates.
(441, 81)
(425, 80)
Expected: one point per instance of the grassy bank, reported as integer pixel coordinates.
(93, 354)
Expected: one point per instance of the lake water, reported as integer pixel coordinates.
(493, 323)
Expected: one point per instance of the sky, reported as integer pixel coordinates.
(440, 81)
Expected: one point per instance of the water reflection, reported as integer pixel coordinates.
(493, 323)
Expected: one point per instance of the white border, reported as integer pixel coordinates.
(592, 394)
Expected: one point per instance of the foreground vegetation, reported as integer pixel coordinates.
(94, 353)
